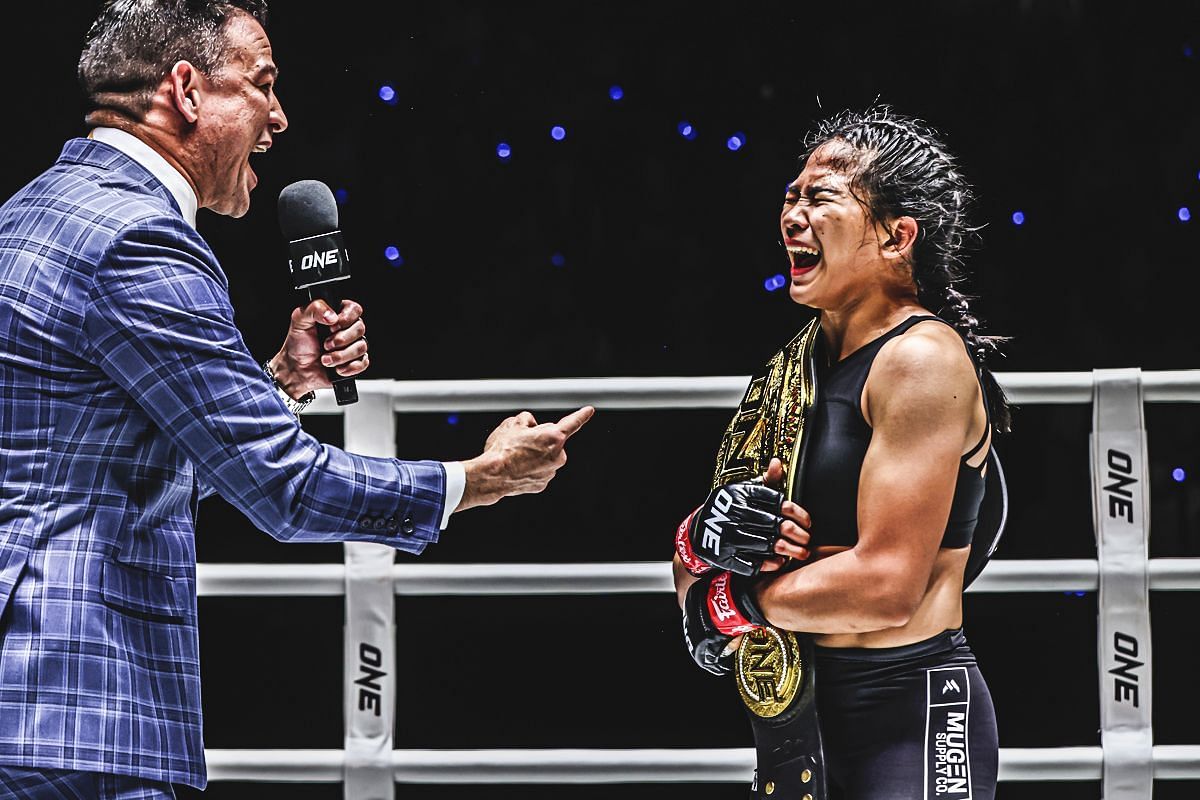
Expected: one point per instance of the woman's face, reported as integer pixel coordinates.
(832, 245)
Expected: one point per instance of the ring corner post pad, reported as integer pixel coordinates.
(1121, 517)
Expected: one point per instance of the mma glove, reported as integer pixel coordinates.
(718, 607)
(735, 529)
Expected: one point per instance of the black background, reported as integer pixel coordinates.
(1080, 114)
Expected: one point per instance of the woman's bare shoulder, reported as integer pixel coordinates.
(925, 369)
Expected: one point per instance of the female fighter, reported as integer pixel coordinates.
(889, 480)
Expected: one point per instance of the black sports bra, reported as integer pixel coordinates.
(840, 436)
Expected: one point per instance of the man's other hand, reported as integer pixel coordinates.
(519, 457)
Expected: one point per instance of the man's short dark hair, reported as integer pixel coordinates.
(133, 44)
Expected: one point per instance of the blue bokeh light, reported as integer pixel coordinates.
(388, 95)
(558, 259)
(452, 419)
(736, 142)
(341, 195)
(392, 254)
(774, 282)
(686, 130)
(1178, 475)
(504, 151)
(1187, 51)
(615, 92)
(1018, 217)
(558, 133)
(1185, 214)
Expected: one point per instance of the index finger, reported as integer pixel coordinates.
(574, 421)
(319, 311)
(350, 312)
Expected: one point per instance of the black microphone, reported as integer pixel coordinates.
(317, 258)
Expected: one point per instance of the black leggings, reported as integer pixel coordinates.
(907, 723)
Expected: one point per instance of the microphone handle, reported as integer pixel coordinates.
(344, 389)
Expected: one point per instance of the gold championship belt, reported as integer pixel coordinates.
(772, 667)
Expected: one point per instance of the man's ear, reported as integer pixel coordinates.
(185, 92)
(901, 235)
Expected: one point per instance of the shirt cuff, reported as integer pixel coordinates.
(456, 484)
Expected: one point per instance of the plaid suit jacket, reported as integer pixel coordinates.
(126, 391)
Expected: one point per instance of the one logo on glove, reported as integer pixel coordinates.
(769, 671)
(712, 525)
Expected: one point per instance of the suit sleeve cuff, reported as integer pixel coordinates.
(456, 484)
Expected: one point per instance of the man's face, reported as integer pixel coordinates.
(239, 115)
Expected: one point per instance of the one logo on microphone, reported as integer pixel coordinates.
(327, 258)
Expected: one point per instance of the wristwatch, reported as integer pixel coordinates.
(294, 406)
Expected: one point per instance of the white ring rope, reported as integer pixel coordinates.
(1170, 762)
(631, 577)
(648, 765)
(1163, 386)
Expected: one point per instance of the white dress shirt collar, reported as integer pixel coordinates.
(158, 166)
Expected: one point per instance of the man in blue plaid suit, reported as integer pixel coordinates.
(127, 395)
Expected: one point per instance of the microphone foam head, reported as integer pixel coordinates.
(307, 208)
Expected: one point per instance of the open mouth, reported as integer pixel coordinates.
(258, 148)
(803, 257)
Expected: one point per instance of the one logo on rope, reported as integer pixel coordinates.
(769, 671)
(1125, 684)
(947, 762)
(1120, 493)
(370, 691)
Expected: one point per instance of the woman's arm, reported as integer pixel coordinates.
(921, 400)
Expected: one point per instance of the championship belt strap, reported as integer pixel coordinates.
(774, 668)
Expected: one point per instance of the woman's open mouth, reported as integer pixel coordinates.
(803, 258)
